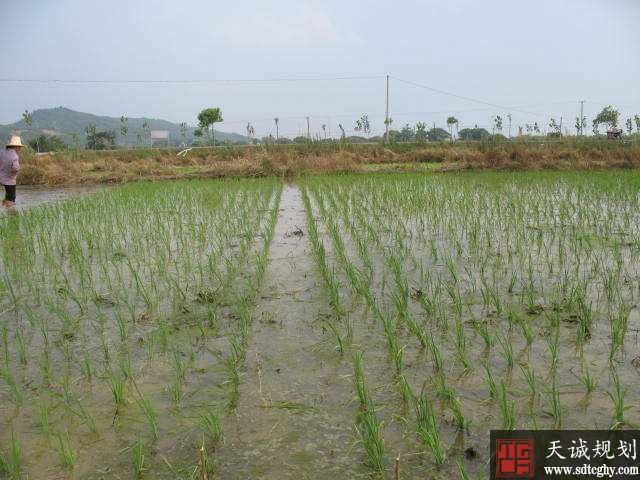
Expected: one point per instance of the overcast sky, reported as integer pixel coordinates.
(536, 57)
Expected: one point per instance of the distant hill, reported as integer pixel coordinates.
(63, 122)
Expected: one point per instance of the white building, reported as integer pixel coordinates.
(159, 138)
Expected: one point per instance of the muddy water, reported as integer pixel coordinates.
(295, 417)
(31, 196)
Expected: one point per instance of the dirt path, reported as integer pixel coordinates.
(295, 417)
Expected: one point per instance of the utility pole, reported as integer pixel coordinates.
(386, 116)
(560, 126)
(581, 117)
(308, 131)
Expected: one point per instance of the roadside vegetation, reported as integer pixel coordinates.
(116, 166)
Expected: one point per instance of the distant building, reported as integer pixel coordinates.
(159, 138)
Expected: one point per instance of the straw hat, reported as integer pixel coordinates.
(15, 141)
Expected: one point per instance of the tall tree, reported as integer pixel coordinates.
(363, 125)
(250, 132)
(343, 134)
(581, 124)
(146, 129)
(636, 119)
(608, 116)
(407, 134)
(497, 123)
(629, 125)
(421, 132)
(28, 120)
(183, 132)
(207, 119)
(451, 121)
(99, 140)
(75, 141)
(124, 128)
(90, 130)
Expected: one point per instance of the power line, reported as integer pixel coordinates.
(183, 81)
(462, 97)
(285, 80)
(518, 108)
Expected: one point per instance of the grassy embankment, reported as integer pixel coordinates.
(289, 160)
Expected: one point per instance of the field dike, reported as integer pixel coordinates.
(86, 167)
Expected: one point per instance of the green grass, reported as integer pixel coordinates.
(394, 166)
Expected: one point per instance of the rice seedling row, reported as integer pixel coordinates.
(449, 305)
(507, 300)
(123, 319)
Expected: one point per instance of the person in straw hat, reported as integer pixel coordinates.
(9, 166)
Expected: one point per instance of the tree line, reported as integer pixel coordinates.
(608, 117)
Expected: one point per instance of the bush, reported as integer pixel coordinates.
(473, 134)
(101, 140)
(47, 144)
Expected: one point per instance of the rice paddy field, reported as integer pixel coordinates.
(342, 326)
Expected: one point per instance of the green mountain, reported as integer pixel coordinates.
(64, 123)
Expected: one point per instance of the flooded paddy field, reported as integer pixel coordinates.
(316, 330)
(32, 195)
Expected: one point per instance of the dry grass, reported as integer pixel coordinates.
(129, 165)
(561, 158)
